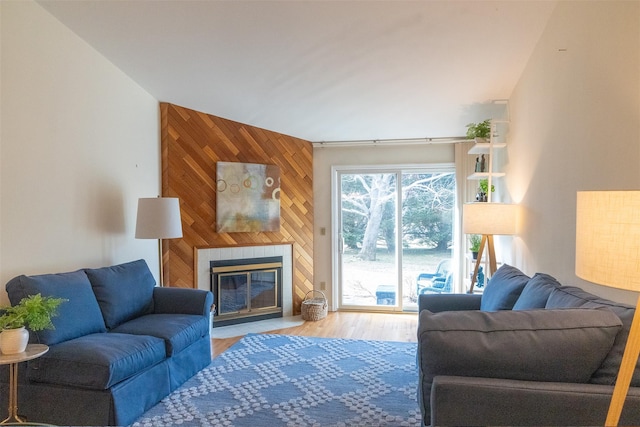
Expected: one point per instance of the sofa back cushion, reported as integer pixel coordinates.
(123, 291)
(531, 345)
(571, 296)
(503, 289)
(78, 316)
(536, 293)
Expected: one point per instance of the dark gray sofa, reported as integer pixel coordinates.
(120, 345)
(528, 351)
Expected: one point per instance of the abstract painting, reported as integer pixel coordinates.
(248, 197)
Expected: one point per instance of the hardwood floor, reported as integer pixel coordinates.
(365, 326)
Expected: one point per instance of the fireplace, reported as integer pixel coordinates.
(246, 290)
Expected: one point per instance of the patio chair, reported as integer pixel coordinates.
(440, 285)
(429, 279)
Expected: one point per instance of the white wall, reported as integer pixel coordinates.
(324, 158)
(575, 125)
(79, 144)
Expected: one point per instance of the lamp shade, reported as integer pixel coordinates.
(608, 238)
(158, 218)
(490, 218)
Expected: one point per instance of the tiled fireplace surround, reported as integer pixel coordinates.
(205, 255)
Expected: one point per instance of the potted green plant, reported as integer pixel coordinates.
(483, 190)
(33, 312)
(479, 131)
(474, 244)
(484, 186)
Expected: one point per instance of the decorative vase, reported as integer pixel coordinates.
(14, 341)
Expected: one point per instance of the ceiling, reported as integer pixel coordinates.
(320, 70)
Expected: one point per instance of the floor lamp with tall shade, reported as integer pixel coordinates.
(159, 218)
(608, 253)
(488, 219)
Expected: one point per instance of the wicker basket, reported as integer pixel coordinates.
(314, 308)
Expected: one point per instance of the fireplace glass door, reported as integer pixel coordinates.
(263, 289)
(247, 291)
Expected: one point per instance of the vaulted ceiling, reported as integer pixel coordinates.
(317, 69)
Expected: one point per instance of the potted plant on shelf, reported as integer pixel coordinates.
(34, 312)
(483, 190)
(474, 242)
(479, 131)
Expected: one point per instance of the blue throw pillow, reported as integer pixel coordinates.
(569, 296)
(536, 293)
(78, 316)
(123, 291)
(503, 289)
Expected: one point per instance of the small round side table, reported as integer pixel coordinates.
(33, 351)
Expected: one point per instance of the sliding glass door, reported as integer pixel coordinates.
(368, 261)
(394, 230)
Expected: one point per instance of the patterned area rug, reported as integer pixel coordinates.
(282, 380)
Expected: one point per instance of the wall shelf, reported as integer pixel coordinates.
(488, 148)
(484, 152)
(485, 175)
(485, 147)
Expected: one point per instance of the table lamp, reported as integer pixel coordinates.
(488, 219)
(159, 218)
(608, 253)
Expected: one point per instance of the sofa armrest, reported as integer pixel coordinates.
(448, 302)
(182, 301)
(490, 401)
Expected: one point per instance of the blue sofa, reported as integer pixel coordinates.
(119, 346)
(528, 351)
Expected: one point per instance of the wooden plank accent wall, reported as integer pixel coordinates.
(192, 143)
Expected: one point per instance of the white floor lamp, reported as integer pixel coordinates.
(608, 253)
(159, 218)
(488, 219)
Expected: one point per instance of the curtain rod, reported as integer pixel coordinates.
(406, 141)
